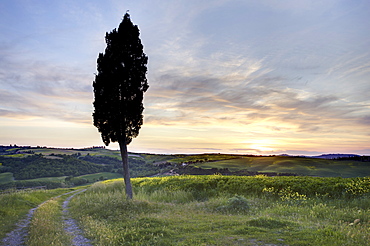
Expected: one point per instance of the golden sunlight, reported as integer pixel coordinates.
(261, 145)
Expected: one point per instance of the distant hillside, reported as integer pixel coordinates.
(26, 166)
(335, 156)
(280, 165)
(38, 166)
(63, 166)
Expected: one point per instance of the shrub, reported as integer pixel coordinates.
(286, 195)
(270, 223)
(238, 204)
(358, 187)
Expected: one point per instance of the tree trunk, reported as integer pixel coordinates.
(126, 171)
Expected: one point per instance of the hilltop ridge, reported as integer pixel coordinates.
(26, 166)
(4, 149)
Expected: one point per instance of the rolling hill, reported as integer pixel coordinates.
(32, 166)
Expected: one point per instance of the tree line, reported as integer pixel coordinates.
(38, 166)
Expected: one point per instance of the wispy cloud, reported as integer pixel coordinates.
(244, 75)
(32, 88)
(211, 100)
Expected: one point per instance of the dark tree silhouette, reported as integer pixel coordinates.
(119, 88)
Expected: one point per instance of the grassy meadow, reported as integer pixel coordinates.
(92, 151)
(45, 228)
(6, 177)
(299, 165)
(227, 210)
(15, 205)
(332, 208)
(15, 172)
(90, 177)
(97, 176)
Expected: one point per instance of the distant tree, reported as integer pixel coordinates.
(119, 88)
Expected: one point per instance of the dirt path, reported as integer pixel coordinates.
(18, 236)
(71, 226)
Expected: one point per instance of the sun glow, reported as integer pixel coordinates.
(260, 145)
(260, 148)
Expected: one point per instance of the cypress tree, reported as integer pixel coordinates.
(119, 88)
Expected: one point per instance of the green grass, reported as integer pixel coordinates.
(6, 178)
(56, 179)
(49, 151)
(153, 158)
(13, 149)
(17, 155)
(216, 210)
(204, 210)
(46, 225)
(94, 177)
(91, 177)
(302, 166)
(203, 158)
(278, 164)
(256, 185)
(15, 205)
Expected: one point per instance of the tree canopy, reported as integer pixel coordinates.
(120, 84)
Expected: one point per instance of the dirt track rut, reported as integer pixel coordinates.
(18, 236)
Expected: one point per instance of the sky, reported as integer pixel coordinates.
(225, 76)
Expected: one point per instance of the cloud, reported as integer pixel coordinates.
(203, 99)
(209, 78)
(268, 70)
(365, 120)
(37, 88)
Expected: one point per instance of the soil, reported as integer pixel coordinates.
(71, 226)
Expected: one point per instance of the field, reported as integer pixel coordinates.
(97, 176)
(203, 158)
(29, 167)
(217, 210)
(298, 165)
(53, 179)
(14, 206)
(277, 164)
(90, 177)
(97, 151)
(6, 178)
(203, 210)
